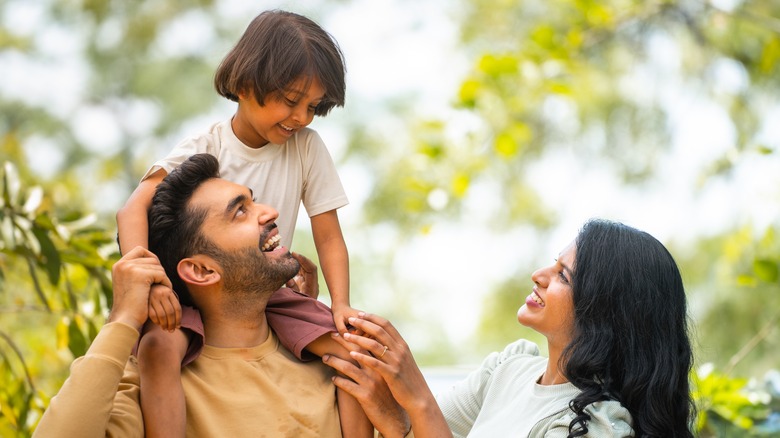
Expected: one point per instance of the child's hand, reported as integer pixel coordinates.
(164, 307)
(341, 315)
(306, 281)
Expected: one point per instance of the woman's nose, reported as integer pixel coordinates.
(538, 276)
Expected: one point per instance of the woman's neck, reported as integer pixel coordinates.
(553, 375)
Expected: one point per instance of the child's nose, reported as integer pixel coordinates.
(301, 114)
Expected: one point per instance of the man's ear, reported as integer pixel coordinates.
(199, 270)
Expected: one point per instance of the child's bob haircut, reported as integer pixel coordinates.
(276, 49)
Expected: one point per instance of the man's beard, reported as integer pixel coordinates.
(248, 271)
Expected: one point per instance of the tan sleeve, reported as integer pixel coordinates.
(99, 398)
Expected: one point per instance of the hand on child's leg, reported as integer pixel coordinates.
(164, 307)
(160, 354)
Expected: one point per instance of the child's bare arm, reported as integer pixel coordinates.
(334, 259)
(354, 422)
(131, 219)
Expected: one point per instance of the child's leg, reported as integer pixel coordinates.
(354, 422)
(160, 354)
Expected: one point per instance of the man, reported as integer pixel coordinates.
(221, 253)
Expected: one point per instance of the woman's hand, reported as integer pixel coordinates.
(371, 391)
(391, 358)
(384, 352)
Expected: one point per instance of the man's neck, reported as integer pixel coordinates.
(244, 329)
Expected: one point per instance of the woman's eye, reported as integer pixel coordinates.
(563, 277)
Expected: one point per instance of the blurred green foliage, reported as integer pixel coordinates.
(55, 276)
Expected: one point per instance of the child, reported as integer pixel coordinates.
(283, 71)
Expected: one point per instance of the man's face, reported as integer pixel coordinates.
(246, 235)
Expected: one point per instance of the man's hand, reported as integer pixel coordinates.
(306, 281)
(133, 276)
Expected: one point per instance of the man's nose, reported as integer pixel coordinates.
(266, 214)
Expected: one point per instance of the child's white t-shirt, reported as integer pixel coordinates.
(280, 175)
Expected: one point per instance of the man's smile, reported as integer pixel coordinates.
(272, 243)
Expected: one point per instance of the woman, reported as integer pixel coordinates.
(613, 310)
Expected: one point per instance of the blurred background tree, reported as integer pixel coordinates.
(558, 94)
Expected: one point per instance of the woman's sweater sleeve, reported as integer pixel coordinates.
(462, 404)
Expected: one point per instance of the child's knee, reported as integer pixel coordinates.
(161, 346)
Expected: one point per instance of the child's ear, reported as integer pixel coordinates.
(199, 270)
(244, 94)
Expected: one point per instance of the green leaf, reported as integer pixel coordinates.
(495, 66)
(92, 330)
(34, 199)
(11, 185)
(24, 409)
(50, 256)
(746, 280)
(765, 269)
(77, 343)
(469, 91)
(505, 145)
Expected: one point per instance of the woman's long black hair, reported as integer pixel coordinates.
(631, 340)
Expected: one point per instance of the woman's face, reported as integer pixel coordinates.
(549, 308)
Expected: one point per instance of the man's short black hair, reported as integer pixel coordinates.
(175, 226)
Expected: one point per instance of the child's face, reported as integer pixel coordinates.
(282, 115)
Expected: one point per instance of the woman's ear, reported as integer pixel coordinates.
(199, 270)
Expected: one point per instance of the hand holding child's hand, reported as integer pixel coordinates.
(164, 307)
(341, 315)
